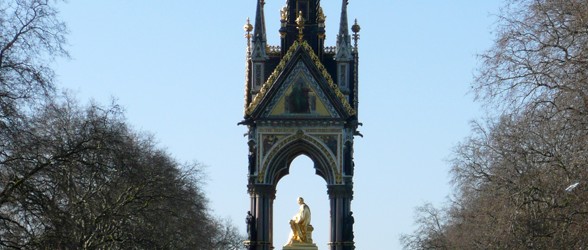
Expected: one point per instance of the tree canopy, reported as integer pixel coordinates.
(520, 177)
(79, 177)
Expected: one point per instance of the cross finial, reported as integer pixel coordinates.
(355, 28)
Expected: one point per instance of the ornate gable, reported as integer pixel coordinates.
(300, 96)
(300, 87)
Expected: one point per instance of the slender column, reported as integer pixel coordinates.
(341, 226)
(262, 199)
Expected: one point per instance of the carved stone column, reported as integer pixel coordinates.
(340, 197)
(262, 199)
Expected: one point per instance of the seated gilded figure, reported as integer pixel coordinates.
(300, 225)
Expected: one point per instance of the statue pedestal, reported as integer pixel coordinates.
(301, 246)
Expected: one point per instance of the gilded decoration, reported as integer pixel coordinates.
(279, 69)
(329, 79)
(299, 96)
(300, 25)
(321, 18)
(301, 232)
(276, 142)
(248, 28)
(284, 14)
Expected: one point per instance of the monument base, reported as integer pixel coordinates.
(301, 246)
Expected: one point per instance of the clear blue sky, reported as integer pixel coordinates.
(178, 69)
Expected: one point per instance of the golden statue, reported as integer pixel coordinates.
(284, 14)
(301, 234)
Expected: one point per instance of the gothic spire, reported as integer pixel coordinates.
(259, 34)
(343, 38)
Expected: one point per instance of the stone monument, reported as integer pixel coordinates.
(301, 98)
(301, 234)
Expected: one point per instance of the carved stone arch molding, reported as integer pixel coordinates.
(277, 164)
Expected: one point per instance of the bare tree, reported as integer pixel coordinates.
(431, 230)
(94, 184)
(228, 236)
(539, 58)
(521, 176)
(75, 177)
(31, 36)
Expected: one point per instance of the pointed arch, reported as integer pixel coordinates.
(281, 156)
